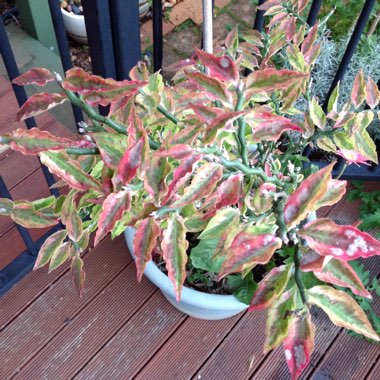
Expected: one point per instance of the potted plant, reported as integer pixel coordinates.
(72, 13)
(210, 174)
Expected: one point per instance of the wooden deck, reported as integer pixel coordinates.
(120, 329)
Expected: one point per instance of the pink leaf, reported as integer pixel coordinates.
(179, 152)
(36, 76)
(308, 48)
(373, 93)
(206, 114)
(343, 242)
(222, 68)
(359, 92)
(353, 157)
(299, 344)
(269, 4)
(223, 121)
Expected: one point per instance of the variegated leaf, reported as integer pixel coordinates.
(174, 246)
(342, 309)
(247, 251)
(157, 169)
(38, 76)
(139, 72)
(24, 213)
(112, 211)
(48, 248)
(61, 255)
(333, 194)
(39, 103)
(306, 196)
(147, 233)
(202, 185)
(70, 218)
(299, 344)
(221, 122)
(78, 273)
(359, 92)
(279, 319)
(179, 152)
(312, 262)
(373, 93)
(308, 46)
(271, 287)
(316, 114)
(223, 68)
(69, 170)
(343, 242)
(206, 114)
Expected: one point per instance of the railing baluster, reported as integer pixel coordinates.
(314, 12)
(259, 19)
(157, 35)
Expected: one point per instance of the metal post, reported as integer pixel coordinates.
(207, 26)
(157, 35)
(259, 19)
(314, 12)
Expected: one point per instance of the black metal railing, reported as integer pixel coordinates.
(114, 41)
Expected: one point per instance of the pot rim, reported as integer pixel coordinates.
(72, 15)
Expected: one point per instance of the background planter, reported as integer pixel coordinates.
(194, 303)
(75, 25)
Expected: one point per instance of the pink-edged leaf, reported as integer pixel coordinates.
(39, 103)
(25, 214)
(61, 255)
(206, 114)
(279, 319)
(147, 233)
(135, 127)
(269, 4)
(299, 344)
(180, 175)
(174, 246)
(78, 273)
(312, 262)
(50, 245)
(202, 185)
(247, 251)
(271, 79)
(112, 147)
(221, 122)
(38, 76)
(34, 141)
(302, 4)
(306, 196)
(271, 287)
(139, 72)
(341, 273)
(343, 242)
(216, 89)
(223, 68)
(130, 162)
(317, 115)
(60, 164)
(187, 135)
(277, 18)
(334, 193)
(342, 309)
(112, 211)
(70, 218)
(157, 169)
(373, 93)
(359, 92)
(308, 46)
(179, 152)
(266, 126)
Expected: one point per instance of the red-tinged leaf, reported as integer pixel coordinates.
(202, 185)
(306, 196)
(105, 98)
(266, 126)
(78, 273)
(373, 93)
(222, 122)
(230, 191)
(147, 233)
(359, 92)
(24, 213)
(277, 18)
(308, 46)
(112, 211)
(334, 193)
(342, 309)
(50, 245)
(60, 164)
(302, 4)
(317, 114)
(269, 4)
(274, 10)
(130, 162)
(135, 128)
(312, 262)
(179, 152)
(222, 68)
(271, 287)
(340, 273)
(247, 251)
(344, 119)
(39, 103)
(34, 141)
(36, 76)
(139, 72)
(61, 255)
(352, 157)
(180, 175)
(6, 206)
(78, 80)
(215, 89)
(174, 246)
(157, 169)
(70, 218)
(343, 242)
(206, 114)
(187, 135)
(279, 319)
(299, 344)
(271, 79)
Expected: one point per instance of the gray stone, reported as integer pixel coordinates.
(220, 23)
(244, 10)
(184, 40)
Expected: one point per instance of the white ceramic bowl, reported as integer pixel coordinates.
(194, 303)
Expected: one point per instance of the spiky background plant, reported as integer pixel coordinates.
(214, 155)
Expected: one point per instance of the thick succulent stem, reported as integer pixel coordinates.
(297, 273)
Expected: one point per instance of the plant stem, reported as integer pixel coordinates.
(242, 125)
(341, 171)
(82, 151)
(297, 273)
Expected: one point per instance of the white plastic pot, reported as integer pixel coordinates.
(194, 303)
(75, 25)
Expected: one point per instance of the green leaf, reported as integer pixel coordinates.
(70, 217)
(49, 247)
(78, 273)
(242, 288)
(341, 309)
(333, 100)
(359, 91)
(157, 170)
(202, 255)
(25, 214)
(316, 114)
